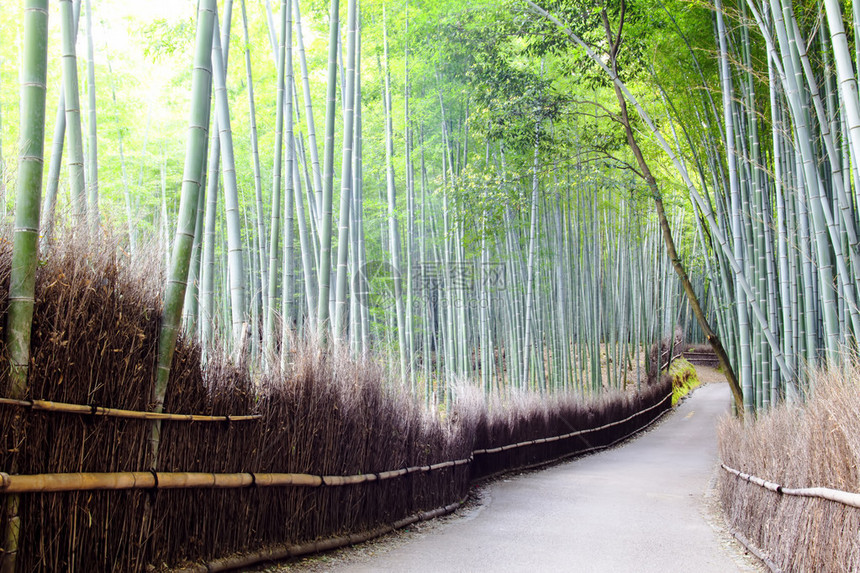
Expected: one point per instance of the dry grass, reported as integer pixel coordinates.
(814, 445)
(94, 342)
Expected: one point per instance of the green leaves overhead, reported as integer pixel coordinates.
(162, 39)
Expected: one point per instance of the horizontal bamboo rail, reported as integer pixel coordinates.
(90, 481)
(569, 435)
(93, 410)
(83, 481)
(760, 554)
(835, 495)
(287, 551)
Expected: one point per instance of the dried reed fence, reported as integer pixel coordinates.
(815, 449)
(323, 451)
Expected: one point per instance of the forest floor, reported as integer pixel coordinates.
(648, 505)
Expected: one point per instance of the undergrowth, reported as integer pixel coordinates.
(684, 379)
(812, 445)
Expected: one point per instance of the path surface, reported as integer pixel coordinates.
(640, 507)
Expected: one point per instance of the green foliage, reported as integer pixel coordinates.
(504, 78)
(684, 379)
(163, 39)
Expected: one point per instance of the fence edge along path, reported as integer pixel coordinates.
(282, 552)
(835, 495)
(89, 481)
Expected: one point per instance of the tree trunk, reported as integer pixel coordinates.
(710, 335)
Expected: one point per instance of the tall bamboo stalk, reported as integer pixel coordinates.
(93, 174)
(309, 117)
(231, 192)
(393, 222)
(195, 152)
(73, 115)
(328, 173)
(277, 184)
(346, 177)
(25, 250)
(255, 156)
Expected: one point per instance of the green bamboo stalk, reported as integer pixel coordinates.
(527, 336)
(25, 251)
(55, 166)
(191, 306)
(277, 185)
(339, 326)
(410, 211)
(727, 89)
(357, 309)
(207, 270)
(93, 175)
(845, 72)
(328, 173)
(309, 115)
(231, 193)
(255, 155)
(308, 259)
(289, 287)
(195, 152)
(73, 115)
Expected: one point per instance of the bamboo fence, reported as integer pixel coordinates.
(51, 483)
(838, 496)
(324, 453)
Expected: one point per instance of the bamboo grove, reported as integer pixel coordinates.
(455, 252)
(449, 189)
(785, 196)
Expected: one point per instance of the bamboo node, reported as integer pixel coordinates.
(4, 480)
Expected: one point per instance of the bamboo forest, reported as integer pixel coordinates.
(286, 276)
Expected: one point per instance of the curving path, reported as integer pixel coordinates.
(640, 507)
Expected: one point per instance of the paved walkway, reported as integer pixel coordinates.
(637, 508)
